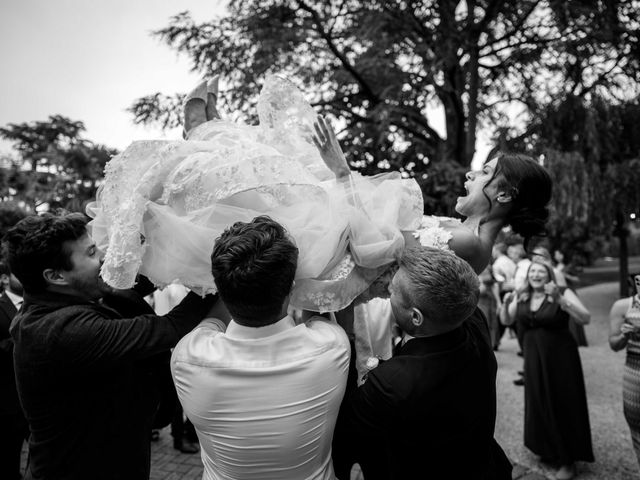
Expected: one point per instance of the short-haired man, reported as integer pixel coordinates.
(81, 354)
(429, 411)
(264, 395)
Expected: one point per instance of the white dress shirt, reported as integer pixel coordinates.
(264, 401)
(17, 300)
(504, 269)
(373, 324)
(520, 278)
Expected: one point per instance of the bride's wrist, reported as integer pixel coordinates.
(342, 173)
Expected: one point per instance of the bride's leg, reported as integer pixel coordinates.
(195, 108)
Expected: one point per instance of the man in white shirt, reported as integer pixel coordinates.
(503, 268)
(264, 394)
(518, 254)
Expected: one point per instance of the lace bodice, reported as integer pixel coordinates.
(431, 233)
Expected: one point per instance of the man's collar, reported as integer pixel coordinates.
(235, 330)
(15, 299)
(434, 344)
(54, 299)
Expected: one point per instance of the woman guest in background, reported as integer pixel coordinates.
(556, 417)
(624, 332)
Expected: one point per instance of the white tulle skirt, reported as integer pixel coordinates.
(163, 204)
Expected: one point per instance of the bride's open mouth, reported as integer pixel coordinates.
(465, 193)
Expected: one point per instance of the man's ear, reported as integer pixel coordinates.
(54, 277)
(504, 197)
(416, 317)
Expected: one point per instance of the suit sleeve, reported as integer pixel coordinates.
(372, 413)
(93, 339)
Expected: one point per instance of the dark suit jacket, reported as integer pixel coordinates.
(9, 404)
(83, 387)
(429, 412)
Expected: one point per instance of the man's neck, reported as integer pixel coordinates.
(257, 323)
(430, 332)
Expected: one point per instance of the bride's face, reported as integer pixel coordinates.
(479, 186)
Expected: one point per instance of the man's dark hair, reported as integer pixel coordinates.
(37, 243)
(253, 265)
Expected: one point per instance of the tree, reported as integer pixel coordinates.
(592, 150)
(381, 66)
(56, 167)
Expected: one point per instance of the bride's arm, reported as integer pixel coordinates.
(329, 148)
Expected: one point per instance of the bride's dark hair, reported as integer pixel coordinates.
(529, 185)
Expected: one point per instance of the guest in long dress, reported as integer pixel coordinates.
(624, 332)
(556, 417)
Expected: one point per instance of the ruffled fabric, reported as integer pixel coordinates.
(163, 204)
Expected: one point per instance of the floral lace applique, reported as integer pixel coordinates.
(430, 233)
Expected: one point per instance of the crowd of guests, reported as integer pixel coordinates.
(83, 350)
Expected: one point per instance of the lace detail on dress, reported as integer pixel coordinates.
(287, 122)
(431, 234)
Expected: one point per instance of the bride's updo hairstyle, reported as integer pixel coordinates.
(529, 185)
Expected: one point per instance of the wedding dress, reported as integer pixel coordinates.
(163, 204)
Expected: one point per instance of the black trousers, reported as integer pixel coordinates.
(13, 432)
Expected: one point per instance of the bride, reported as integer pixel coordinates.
(163, 203)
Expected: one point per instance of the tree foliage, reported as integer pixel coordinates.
(388, 69)
(56, 167)
(592, 149)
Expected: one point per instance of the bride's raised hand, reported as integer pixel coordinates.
(329, 148)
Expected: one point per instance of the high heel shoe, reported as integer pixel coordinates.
(195, 106)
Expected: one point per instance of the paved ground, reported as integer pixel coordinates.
(170, 464)
(615, 459)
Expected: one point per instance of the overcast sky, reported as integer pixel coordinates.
(88, 60)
